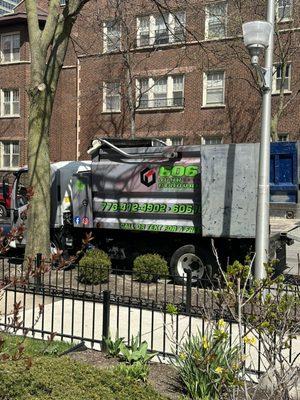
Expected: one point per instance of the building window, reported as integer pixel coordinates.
(10, 154)
(10, 103)
(163, 92)
(161, 29)
(212, 140)
(282, 78)
(10, 48)
(283, 137)
(214, 88)
(62, 2)
(112, 97)
(215, 20)
(284, 10)
(111, 36)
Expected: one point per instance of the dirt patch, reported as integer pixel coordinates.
(163, 377)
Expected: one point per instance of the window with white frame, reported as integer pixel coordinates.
(112, 97)
(283, 137)
(10, 47)
(214, 88)
(162, 92)
(10, 154)
(215, 20)
(111, 36)
(284, 9)
(212, 139)
(161, 29)
(10, 103)
(282, 78)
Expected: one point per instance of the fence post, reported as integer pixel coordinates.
(188, 299)
(37, 276)
(106, 316)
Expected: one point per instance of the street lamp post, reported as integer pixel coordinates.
(259, 36)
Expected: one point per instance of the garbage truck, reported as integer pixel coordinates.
(142, 196)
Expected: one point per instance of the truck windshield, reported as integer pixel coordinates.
(21, 192)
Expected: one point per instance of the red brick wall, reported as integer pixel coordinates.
(82, 117)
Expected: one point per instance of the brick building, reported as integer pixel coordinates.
(180, 74)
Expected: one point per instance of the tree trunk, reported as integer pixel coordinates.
(38, 228)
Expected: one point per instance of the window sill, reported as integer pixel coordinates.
(285, 20)
(117, 51)
(9, 168)
(215, 39)
(9, 116)
(14, 63)
(213, 106)
(162, 45)
(111, 112)
(278, 93)
(160, 109)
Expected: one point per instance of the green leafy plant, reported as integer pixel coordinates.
(150, 267)
(137, 352)
(207, 365)
(113, 346)
(138, 371)
(94, 267)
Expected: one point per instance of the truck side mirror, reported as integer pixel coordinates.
(5, 189)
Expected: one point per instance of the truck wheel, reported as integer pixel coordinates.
(3, 212)
(187, 258)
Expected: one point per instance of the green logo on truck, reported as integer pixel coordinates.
(178, 177)
(179, 170)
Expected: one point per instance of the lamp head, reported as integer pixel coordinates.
(256, 38)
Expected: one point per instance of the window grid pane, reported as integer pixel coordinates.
(216, 21)
(144, 31)
(215, 88)
(159, 94)
(112, 96)
(284, 9)
(11, 47)
(279, 81)
(10, 154)
(179, 29)
(113, 36)
(144, 92)
(161, 29)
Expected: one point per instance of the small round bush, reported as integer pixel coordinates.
(150, 267)
(94, 267)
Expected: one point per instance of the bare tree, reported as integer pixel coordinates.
(48, 49)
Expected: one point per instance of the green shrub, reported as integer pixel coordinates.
(65, 379)
(150, 267)
(137, 371)
(208, 366)
(94, 267)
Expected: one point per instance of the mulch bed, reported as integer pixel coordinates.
(163, 377)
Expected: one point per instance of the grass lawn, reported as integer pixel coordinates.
(33, 347)
(62, 378)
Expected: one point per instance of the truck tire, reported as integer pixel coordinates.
(202, 264)
(3, 212)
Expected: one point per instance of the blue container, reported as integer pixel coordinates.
(283, 172)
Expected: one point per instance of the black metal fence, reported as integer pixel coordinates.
(46, 299)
